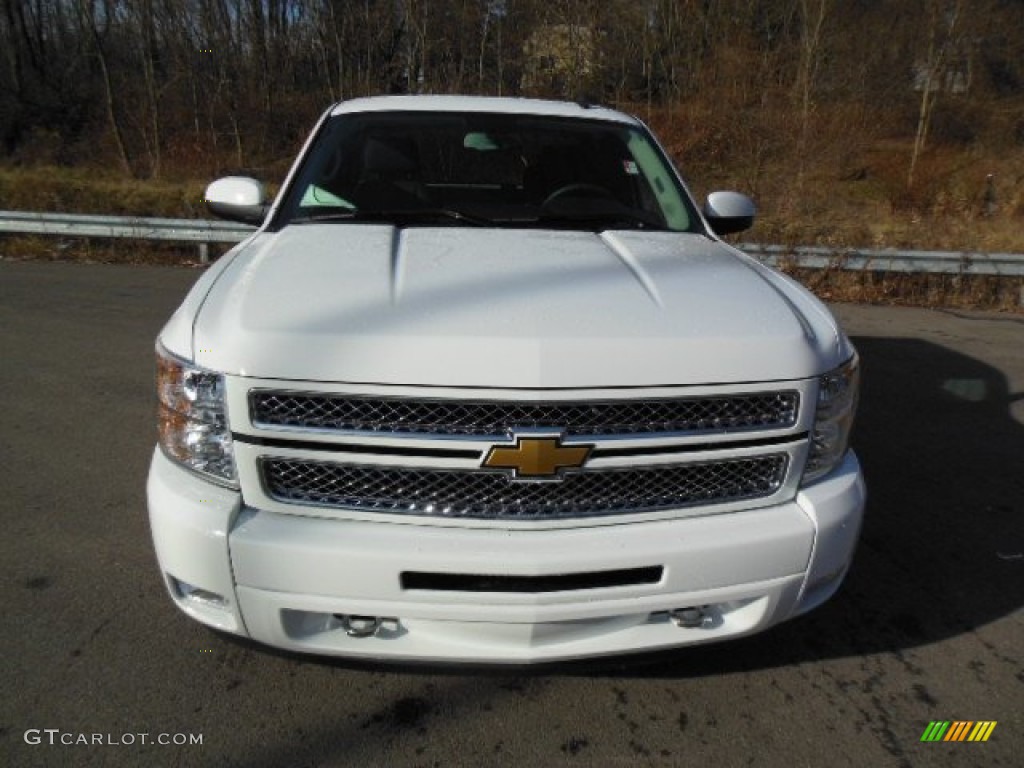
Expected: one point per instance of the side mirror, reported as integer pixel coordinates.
(729, 212)
(237, 198)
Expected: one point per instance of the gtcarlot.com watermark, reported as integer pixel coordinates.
(56, 737)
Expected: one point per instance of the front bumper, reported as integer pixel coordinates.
(293, 582)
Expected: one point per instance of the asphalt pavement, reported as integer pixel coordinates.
(928, 627)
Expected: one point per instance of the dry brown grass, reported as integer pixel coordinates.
(90, 190)
(988, 292)
(100, 251)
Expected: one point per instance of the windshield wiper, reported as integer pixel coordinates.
(396, 216)
(607, 220)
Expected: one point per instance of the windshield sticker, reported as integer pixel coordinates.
(630, 167)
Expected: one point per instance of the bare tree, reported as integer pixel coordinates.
(943, 30)
(812, 20)
(89, 16)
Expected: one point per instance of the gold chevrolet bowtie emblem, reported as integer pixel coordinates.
(537, 458)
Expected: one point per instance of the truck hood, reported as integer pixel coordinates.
(468, 307)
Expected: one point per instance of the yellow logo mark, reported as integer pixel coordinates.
(538, 457)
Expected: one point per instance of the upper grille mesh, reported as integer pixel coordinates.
(493, 418)
(491, 495)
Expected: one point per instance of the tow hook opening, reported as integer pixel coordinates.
(365, 626)
(691, 617)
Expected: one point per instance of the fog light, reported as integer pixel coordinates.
(190, 592)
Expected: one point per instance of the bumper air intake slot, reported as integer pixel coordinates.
(563, 582)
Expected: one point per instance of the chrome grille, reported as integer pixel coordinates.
(492, 495)
(494, 418)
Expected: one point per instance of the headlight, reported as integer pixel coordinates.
(193, 422)
(837, 403)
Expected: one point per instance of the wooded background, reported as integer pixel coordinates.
(161, 85)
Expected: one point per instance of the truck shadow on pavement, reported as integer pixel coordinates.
(942, 548)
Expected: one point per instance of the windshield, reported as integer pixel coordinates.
(486, 169)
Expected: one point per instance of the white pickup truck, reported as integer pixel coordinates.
(487, 386)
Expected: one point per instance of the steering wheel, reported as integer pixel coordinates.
(578, 190)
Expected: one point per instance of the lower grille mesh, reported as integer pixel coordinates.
(492, 495)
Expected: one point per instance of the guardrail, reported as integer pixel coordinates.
(203, 232)
(936, 262)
